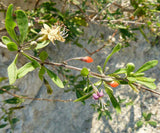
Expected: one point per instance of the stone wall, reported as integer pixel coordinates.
(59, 117)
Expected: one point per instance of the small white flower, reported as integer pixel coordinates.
(52, 33)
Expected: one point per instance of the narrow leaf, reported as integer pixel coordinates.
(139, 124)
(12, 46)
(115, 49)
(2, 78)
(42, 44)
(55, 78)
(148, 117)
(14, 100)
(34, 62)
(150, 85)
(133, 87)
(147, 65)
(42, 72)
(25, 69)
(12, 71)
(120, 71)
(3, 125)
(43, 56)
(145, 79)
(7, 88)
(49, 89)
(6, 40)
(83, 98)
(114, 101)
(9, 22)
(152, 123)
(22, 22)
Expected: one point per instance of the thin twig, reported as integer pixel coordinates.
(100, 12)
(144, 88)
(36, 4)
(96, 75)
(99, 49)
(122, 21)
(38, 99)
(123, 8)
(86, 17)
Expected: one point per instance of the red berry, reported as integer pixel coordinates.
(87, 59)
(114, 84)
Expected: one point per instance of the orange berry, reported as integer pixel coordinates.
(87, 59)
(114, 84)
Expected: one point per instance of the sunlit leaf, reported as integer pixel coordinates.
(147, 65)
(115, 49)
(152, 123)
(114, 101)
(25, 69)
(49, 89)
(14, 100)
(12, 46)
(83, 98)
(12, 71)
(9, 22)
(43, 56)
(22, 22)
(55, 78)
(139, 124)
(6, 40)
(42, 44)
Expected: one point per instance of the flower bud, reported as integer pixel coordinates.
(87, 59)
(95, 96)
(113, 84)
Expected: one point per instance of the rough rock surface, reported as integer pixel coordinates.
(59, 117)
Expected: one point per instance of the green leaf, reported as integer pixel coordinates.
(49, 89)
(22, 22)
(55, 78)
(43, 56)
(12, 46)
(137, 74)
(99, 68)
(150, 85)
(114, 101)
(130, 103)
(139, 123)
(14, 100)
(12, 71)
(120, 71)
(133, 87)
(147, 65)
(34, 62)
(3, 125)
(83, 98)
(25, 69)
(145, 79)
(84, 71)
(6, 40)
(152, 123)
(14, 120)
(115, 49)
(7, 88)
(42, 44)
(42, 72)
(148, 117)
(2, 78)
(9, 22)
